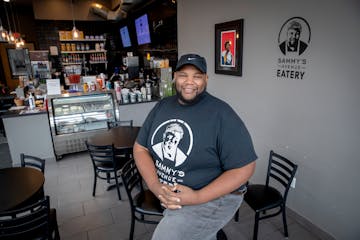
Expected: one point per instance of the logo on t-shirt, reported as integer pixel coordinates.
(172, 141)
(172, 133)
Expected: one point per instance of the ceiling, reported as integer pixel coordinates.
(83, 10)
(127, 5)
(60, 9)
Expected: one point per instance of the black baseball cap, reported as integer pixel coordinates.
(192, 59)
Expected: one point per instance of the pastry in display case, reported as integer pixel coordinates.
(75, 117)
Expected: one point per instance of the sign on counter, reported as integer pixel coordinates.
(53, 86)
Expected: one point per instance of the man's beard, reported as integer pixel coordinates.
(192, 101)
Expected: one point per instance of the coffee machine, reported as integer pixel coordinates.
(132, 64)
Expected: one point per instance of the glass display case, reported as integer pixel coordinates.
(75, 117)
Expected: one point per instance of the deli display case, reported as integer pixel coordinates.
(75, 117)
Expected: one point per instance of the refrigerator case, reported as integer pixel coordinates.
(76, 117)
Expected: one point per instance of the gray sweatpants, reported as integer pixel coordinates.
(197, 222)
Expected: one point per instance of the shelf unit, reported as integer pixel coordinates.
(86, 58)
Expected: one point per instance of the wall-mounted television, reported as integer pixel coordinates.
(142, 29)
(125, 37)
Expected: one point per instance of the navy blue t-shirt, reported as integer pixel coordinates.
(194, 144)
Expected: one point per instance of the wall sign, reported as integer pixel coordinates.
(293, 41)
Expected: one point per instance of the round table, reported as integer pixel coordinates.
(121, 137)
(20, 186)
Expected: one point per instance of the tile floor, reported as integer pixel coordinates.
(83, 217)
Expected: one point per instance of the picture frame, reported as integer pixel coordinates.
(19, 62)
(229, 47)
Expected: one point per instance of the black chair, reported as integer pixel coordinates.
(142, 201)
(129, 123)
(32, 161)
(34, 221)
(262, 198)
(124, 153)
(106, 165)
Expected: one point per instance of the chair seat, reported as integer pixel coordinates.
(108, 166)
(259, 197)
(146, 202)
(105, 166)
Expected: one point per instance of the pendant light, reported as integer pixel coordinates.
(20, 42)
(3, 33)
(13, 36)
(8, 36)
(75, 31)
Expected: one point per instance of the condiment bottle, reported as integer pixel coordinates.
(86, 87)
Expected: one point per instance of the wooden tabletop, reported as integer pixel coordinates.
(18, 186)
(121, 137)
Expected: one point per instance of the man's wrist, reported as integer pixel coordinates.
(153, 185)
(199, 197)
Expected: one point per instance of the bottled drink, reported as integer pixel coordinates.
(31, 101)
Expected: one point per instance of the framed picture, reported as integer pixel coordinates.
(19, 62)
(229, 47)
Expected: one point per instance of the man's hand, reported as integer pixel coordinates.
(166, 194)
(173, 197)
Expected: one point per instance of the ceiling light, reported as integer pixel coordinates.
(75, 31)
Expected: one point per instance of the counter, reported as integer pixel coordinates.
(136, 111)
(28, 133)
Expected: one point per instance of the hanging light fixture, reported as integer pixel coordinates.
(8, 36)
(3, 33)
(20, 41)
(15, 35)
(11, 37)
(75, 31)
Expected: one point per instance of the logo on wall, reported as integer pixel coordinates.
(293, 40)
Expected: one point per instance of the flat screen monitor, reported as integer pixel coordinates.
(125, 37)
(142, 29)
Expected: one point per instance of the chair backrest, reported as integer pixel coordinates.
(32, 220)
(131, 179)
(128, 123)
(281, 170)
(32, 161)
(101, 155)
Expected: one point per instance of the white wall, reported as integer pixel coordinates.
(315, 121)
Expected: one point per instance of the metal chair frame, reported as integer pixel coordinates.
(32, 161)
(265, 197)
(35, 220)
(104, 161)
(143, 202)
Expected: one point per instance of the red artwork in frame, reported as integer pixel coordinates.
(228, 47)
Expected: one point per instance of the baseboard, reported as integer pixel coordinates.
(309, 226)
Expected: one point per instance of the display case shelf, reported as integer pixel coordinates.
(82, 112)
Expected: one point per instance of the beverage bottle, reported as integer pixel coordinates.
(117, 88)
(31, 101)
